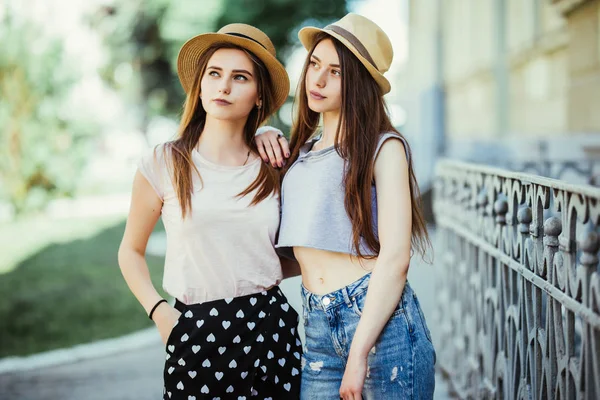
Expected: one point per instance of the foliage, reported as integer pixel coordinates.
(43, 146)
(281, 19)
(146, 35)
(138, 59)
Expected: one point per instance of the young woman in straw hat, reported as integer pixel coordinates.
(351, 217)
(231, 333)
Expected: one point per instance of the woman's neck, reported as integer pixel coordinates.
(331, 120)
(222, 142)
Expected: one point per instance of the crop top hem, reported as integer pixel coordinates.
(286, 248)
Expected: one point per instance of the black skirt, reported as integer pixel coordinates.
(231, 348)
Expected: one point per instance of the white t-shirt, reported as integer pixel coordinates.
(224, 247)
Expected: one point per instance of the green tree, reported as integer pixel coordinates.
(43, 147)
(146, 35)
(132, 35)
(281, 19)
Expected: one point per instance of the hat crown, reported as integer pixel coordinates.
(249, 32)
(372, 37)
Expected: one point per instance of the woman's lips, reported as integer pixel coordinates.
(316, 95)
(222, 102)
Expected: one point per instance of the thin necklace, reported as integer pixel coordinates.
(247, 158)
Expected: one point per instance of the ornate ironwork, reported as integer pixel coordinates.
(518, 307)
(580, 171)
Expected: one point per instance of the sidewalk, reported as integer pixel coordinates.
(137, 374)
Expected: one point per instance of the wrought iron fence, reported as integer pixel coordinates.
(518, 307)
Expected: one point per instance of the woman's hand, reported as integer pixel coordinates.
(354, 378)
(272, 146)
(165, 317)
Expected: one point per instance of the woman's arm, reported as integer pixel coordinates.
(143, 213)
(389, 275)
(272, 146)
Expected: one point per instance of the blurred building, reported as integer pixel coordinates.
(514, 83)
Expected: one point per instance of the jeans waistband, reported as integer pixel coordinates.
(343, 296)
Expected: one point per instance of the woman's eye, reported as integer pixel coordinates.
(313, 64)
(240, 78)
(213, 73)
(336, 72)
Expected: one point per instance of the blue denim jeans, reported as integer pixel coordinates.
(400, 365)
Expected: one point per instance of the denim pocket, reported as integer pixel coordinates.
(422, 317)
(358, 303)
(356, 307)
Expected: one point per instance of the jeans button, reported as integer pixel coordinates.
(326, 301)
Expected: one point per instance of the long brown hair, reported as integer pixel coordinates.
(192, 124)
(363, 117)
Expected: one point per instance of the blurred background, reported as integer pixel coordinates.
(86, 88)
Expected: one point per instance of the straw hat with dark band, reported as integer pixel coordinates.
(245, 36)
(364, 38)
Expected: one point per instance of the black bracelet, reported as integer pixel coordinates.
(154, 308)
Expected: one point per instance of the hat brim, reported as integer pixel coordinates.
(307, 38)
(192, 50)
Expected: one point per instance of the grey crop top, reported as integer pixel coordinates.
(313, 213)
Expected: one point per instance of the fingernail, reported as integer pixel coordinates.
(287, 154)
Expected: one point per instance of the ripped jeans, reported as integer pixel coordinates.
(400, 365)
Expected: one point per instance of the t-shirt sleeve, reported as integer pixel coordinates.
(266, 128)
(152, 167)
(391, 135)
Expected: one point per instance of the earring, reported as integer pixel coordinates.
(259, 105)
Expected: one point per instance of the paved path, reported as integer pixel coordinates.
(137, 375)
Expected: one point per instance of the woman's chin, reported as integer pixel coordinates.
(225, 115)
(317, 107)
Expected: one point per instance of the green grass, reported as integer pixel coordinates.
(29, 235)
(69, 293)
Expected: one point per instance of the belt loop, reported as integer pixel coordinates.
(407, 288)
(346, 296)
(179, 305)
(307, 296)
(303, 297)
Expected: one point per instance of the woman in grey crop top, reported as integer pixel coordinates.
(351, 217)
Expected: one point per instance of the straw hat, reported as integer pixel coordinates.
(245, 36)
(364, 38)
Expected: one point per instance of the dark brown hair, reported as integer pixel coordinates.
(363, 117)
(192, 124)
